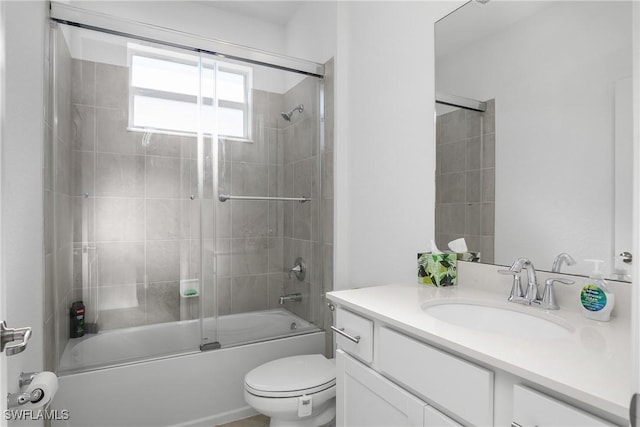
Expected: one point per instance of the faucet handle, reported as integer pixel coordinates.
(517, 294)
(549, 296)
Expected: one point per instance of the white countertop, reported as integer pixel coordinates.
(592, 365)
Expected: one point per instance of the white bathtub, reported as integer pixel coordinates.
(194, 389)
(144, 342)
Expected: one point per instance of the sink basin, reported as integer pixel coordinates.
(497, 320)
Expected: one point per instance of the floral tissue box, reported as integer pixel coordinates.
(437, 269)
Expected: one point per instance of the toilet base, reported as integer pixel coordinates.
(284, 411)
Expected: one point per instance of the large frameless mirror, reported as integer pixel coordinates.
(544, 167)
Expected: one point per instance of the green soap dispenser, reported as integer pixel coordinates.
(596, 298)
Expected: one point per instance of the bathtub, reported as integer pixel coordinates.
(164, 339)
(186, 389)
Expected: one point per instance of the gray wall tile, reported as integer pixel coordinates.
(163, 219)
(249, 293)
(112, 135)
(163, 302)
(120, 175)
(250, 256)
(120, 263)
(112, 86)
(163, 177)
(83, 89)
(83, 127)
(119, 219)
(163, 261)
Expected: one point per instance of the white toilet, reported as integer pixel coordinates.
(294, 391)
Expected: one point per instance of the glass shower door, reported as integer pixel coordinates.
(124, 206)
(266, 205)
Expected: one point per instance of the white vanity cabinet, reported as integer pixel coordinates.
(532, 408)
(368, 399)
(397, 365)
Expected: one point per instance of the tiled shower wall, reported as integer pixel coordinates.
(465, 179)
(132, 202)
(301, 178)
(265, 237)
(127, 230)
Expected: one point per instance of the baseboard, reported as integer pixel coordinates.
(214, 420)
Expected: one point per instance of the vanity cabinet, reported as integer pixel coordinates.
(390, 378)
(367, 399)
(532, 408)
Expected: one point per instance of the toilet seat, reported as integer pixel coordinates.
(292, 377)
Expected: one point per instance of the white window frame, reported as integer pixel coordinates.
(196, 61)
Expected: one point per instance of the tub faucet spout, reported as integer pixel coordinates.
(297, 297)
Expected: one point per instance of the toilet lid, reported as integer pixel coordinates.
(292, 376)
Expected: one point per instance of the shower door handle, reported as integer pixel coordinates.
(8, 335)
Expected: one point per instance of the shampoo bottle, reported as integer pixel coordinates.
(596, 298)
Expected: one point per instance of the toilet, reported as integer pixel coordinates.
(294, 391)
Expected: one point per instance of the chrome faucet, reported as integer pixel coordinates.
(532, 296)
(297, 297)
(562, 257)
(531, 293)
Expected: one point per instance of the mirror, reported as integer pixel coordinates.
(546, 168)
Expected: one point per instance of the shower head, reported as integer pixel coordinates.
(287, 116)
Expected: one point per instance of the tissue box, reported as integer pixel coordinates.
(437, 269)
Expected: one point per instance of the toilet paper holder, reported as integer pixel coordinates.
(19, 399)
(26, 378)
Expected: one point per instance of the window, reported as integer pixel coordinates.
(164, 88)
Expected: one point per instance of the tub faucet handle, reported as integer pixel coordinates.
(299, 269)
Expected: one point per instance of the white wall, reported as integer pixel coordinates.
(385, 140)
(22, 190)
(553, 174)
(311, 32)
(201, 18)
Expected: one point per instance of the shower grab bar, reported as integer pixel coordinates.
(225, 197)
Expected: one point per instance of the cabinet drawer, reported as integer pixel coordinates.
(533, 408)
(355, 326)
(456, 385)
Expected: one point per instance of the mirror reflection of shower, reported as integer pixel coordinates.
(287, 116)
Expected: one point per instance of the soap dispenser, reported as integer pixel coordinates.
(596, 298)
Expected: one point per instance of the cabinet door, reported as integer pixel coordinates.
(531, 408)
(435, 418)
(365, 398)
